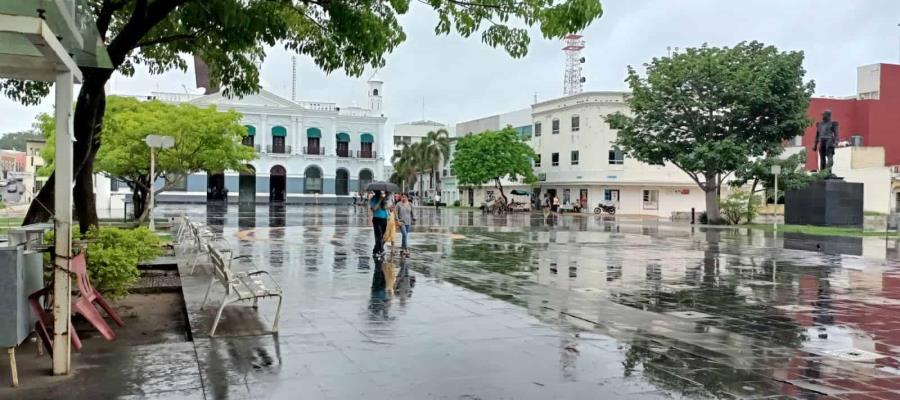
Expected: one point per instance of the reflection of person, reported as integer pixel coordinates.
(379, 206)
(404, 212)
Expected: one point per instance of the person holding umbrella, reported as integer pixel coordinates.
(380, 205)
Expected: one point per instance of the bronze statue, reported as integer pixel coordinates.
(826, 140)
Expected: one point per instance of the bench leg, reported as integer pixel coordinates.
(208, 288)
(225, 302)
(277, 315)
(12, 366)
(256, 303)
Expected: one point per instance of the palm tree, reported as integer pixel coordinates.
(406, 166)
(434, 148)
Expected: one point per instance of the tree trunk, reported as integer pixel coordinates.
(712, 199)
(41, 208)
(750, 204)
(500, 187)
(87, 124)
(139, 198)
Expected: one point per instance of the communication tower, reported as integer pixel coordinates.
(573, 80)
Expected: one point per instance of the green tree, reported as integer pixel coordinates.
(205, 140)
(758, 173)
(491, 156)
(711, 110)
(232, 35)
(406, 166)
(16, 140)
(434, 149)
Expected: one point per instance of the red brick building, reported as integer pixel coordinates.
(872, 114)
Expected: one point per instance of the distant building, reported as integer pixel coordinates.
(11, 161)
(307, 151)
(410, 133)
(33, 161)
(577, 159)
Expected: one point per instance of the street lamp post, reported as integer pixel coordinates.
(776, 170)
(162, 142)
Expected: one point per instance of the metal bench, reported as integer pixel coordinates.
(201, 238)
(240, 286)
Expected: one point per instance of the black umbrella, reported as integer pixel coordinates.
(383, 187)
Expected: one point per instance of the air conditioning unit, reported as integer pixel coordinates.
(856, 140)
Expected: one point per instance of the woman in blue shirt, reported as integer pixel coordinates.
(379, 204)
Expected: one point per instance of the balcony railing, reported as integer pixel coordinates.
(317, 151)
(366, 154)
(258, 148)
(272, 149)
(343, 153)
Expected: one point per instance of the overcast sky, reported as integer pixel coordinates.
(462, 79)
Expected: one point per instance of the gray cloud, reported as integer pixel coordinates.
(462, 79)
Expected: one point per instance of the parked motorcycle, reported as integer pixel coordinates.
(607, 208)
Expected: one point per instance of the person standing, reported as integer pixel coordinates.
(555, 206)
(437, 200)
(379, 206)
(404, 213)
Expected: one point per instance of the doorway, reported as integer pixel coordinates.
(247, 185)
(215, 186)
(342, 182)
(277, 184)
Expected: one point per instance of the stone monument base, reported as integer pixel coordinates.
(829, 202)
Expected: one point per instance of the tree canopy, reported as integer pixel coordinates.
(16, 140)
(231, 36)
(491, 156)
(710, 111)
(205, 140)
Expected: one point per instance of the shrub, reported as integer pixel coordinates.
(703, 218)
(739, 206)
(456, 203)
(113, 255)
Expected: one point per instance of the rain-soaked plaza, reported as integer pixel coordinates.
(522, 307)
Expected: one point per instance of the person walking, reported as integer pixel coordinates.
(404, 213)
(379, 206)
(555, 206)
(437, 200)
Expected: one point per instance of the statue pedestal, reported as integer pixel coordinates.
(829, 202)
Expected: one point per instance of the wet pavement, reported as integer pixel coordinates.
(522, 307)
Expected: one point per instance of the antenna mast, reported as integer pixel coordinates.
(293, 78)
(573, 81)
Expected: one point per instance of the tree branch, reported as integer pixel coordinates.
(105, 13)
(169, 39)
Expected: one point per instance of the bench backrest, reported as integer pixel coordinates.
(221, 261)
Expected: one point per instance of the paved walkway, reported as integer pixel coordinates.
(519, 307)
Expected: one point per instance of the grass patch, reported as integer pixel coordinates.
(7, 223)
(823, 230)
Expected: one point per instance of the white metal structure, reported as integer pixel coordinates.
(156, 142)
(573, 81)
(31, 50)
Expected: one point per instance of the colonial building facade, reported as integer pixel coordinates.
(307, 152)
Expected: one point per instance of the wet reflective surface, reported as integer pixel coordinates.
(522, 307)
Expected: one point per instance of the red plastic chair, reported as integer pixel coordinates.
(89, 296)
(44, 324)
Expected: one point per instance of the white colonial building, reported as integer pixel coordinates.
(577, 159)
(308, 152)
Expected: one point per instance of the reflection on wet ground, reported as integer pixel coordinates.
(520, 306)
(571, 307)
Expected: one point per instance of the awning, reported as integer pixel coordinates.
(279, 131)
(251, 130)
(367, 138)
(343, 137)
(313, 133)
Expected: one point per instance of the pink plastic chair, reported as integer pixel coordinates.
(44, 324)
(89, 296)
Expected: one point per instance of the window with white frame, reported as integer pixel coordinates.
(555, 127)
(537, 160)
(575, 157)
(651, 199)
(554, 159)
(576, 123)
(537, 129)
(616, 157)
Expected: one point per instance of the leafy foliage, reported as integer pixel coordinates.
(113, 255)
(492, 156)
(205, 140)
(710, 111)
(407, 165)
(759, 173)
(740, 206)
(16, 140)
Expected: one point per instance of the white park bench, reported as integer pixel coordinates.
(240, 286)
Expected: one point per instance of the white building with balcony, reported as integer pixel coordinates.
(308, 152)
(577, 160)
